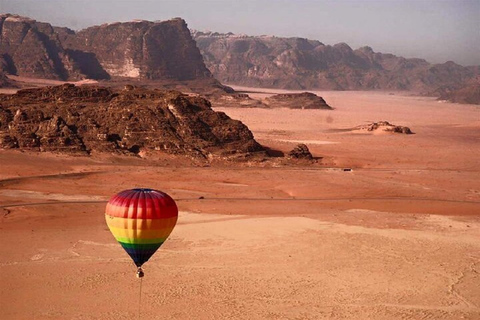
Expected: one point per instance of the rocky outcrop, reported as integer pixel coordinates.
(300, 152)
(296, 63)
(138, 49)
(384, 126)
(241, 100)
(84, 119)
(304, 100)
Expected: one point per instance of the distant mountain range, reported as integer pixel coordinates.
(297, 63)
(169, 51)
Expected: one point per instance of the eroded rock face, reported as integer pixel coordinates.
(305, 100)
(141, 49)
(84, 119)
(296, 63)
(3, 80)
(31, 48)
(138, 49)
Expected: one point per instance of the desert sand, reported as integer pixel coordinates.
(397, 237)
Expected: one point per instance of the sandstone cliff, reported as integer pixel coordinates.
(296, 63)
(138, 49)
(84, 119)
(31, 48)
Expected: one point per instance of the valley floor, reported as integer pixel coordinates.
(397, 237)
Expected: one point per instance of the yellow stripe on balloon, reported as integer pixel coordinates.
(138, 233)
(128, 223)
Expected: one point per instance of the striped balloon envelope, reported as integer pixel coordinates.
(141, 220)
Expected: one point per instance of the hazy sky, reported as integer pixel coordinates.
(436, 30)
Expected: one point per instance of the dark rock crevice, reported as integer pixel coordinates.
(88, 64)
(8, 66)
(53, 53)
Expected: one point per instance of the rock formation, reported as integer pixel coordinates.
(241, 100)
(304, 100)
(296, 63)
(84, 119)
(300, 152)
(139, 49)
(31, 48)
(384, 126)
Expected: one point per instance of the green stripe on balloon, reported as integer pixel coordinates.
(140, 241)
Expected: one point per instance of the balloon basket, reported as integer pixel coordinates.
(139, 273)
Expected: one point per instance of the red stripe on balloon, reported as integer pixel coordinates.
(142, 205)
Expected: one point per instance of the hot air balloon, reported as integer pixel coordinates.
(141, 220)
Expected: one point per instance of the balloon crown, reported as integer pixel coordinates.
(143, 190)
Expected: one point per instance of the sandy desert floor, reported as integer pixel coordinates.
(398, 237)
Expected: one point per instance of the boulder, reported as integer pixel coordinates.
(300, 152)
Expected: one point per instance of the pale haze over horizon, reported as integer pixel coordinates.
(434, 30)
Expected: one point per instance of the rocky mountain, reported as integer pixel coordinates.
(297, 63)
(138, 49)
(84, 119)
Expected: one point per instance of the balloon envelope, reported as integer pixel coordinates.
(141, 220)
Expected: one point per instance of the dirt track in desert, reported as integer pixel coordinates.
(398, 237)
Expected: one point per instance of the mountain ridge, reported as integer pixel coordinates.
(300, 63)
(168, 51)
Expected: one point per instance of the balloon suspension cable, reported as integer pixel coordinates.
(140, 275)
